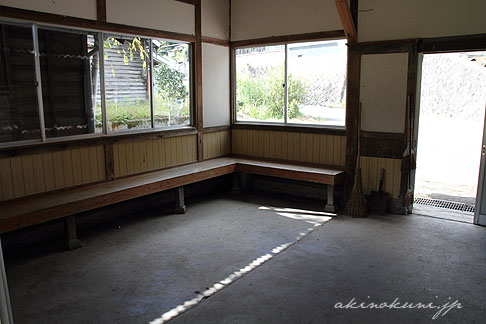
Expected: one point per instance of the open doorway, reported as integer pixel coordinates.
(451, 119)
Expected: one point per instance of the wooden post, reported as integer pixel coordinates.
(101, 10)
(72, 241)
(180, 206)
(198, 93)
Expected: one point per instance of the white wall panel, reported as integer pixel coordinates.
(398, 19)
(256, 18)
(216, 85)
(74, 8)
(383, 92)
(215, 18)
(167, 15)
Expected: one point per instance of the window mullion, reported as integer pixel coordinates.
(286, 82)
(151, 78)
(38, 82)
(101, 53)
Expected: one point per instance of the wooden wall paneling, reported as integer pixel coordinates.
(330, 150)
(372, 184)
(302, 148)
(337, 150)
(137, 157)
(168, 151)
(162, 158)
(58, 169)
(49, 171)
(315, 148)
(102, 162)
(85, 165)
(67, 163)
(149, 155)
(93, 163)
(179, 149)
(285, 146)
(296, 152)
(77, 169)
(116, 160)
(28, 170)
(155, 153)
(122, 157)
(185, 144)
(39, 176)
(273, 145)
(266, 149)
(142, 156)
(18, 176)
(6, 178)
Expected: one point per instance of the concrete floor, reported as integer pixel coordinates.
(251, 259)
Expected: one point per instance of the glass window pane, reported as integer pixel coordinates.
(317, 82)
(69, 64)
(171, 83)
(127, 86)
(19, 116)
(260, 92)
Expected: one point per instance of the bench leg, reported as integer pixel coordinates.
(330, 207)
(72, 241)
(180, 206)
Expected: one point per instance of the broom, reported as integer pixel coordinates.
(357, 203)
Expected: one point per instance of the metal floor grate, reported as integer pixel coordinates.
(445, 204)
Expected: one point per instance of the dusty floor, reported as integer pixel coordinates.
(250, 259)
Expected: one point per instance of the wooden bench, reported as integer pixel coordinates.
(66, 203)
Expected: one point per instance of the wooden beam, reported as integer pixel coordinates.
(384, 47)
(191, 2)
(215, 41)
(289, 38)
(198, 93)
(214, 129)
(347, 20)
(101, 10)
(48, 18)
(453, 44)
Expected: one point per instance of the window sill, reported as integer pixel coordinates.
(61, 143)
(293, 128)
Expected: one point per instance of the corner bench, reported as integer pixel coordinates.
(23, 212)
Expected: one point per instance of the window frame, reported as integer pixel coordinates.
(285, 124)
(105, 133)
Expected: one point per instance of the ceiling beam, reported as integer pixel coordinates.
(346, 20)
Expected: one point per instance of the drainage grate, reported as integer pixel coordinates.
(445, 204)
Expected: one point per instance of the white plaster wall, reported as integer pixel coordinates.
(74, 8)
(216, 85)
(264, 18)
(167, 15)
(215, 18)
(399, 19)
(383, 92)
